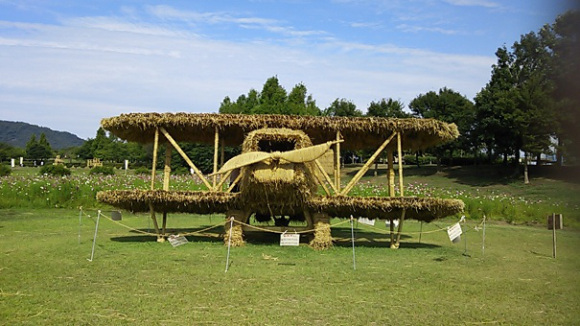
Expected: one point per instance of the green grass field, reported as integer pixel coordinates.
(45, 277)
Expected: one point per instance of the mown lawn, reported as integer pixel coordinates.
(45, 277)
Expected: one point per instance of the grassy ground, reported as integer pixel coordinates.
(45, 277)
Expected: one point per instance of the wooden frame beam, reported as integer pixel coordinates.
(391, 173)
(326, 176)
(187, 159)
(216, 147)
(367, 165)
(400, 154)
(154, 164)
(167, 168)
(317, 177)
(337, 163)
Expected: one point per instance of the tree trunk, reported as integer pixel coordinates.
(526, 179)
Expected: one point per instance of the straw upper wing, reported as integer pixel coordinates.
(301, 155)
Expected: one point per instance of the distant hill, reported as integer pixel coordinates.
(18, 134)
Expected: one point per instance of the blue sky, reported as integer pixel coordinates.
(67, 64)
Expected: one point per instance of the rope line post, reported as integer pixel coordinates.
(229, 243)
(352, 237)
(95, 237)
(420, 231)
(554, 235)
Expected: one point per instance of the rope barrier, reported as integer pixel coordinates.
(154, 234)
(414, 232)
(281, 232)
(258, 228)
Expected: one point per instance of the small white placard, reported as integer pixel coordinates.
(289, 239)
(366, 220)
(454, 232)
(177, 240)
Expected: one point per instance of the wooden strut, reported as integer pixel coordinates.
(154, 218)
(391, 173)
(337, 163)
(167, 169)
(238, 178)
(225, 177)
(326, 176)
(367, 165)
(400, 154)
(187, 159)
(400, 229)
(317, 177)
(216, 145)
(155, 147)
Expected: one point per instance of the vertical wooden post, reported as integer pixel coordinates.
(554, 235)
(223, 154)
(216, 144)
(155, 147)
(400, 154)
(337, 163)
(391, 173)
(154, 218)
(164, 223)
(167, 168)
(400, 229)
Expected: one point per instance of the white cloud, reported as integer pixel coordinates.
(474, 3)
(69, 76)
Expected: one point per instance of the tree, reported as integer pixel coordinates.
(38, 150)
(273, 99)
(8, 151)
(495, 107)
(387, 108)
(452, 107)
(565, 44)
(342, 108)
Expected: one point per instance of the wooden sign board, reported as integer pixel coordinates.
(177, 240)
(454, 233)
(289, 239)
(558, 223)
(366, 221)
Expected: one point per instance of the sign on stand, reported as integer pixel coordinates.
(366, 221)
(454, 233)
(177, 240)
(289, 239)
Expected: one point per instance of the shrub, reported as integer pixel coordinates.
(5, 170)
(57, 170)
(104, 170)
(142, 170)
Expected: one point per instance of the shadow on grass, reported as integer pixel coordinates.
(210, 236)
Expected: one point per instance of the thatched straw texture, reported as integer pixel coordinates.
(276, 190)
(359, 133)
(237, 239)
(421, 209)
(322, 237)
(196, 202)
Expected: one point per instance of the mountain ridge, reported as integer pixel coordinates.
(17, 134)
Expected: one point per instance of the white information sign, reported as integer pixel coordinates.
(177, 240)
(366, 220)
(12, 162)
(289, 239)
(454, 232)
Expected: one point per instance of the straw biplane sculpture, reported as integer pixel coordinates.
(279, 172)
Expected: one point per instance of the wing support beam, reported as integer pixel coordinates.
(187, 159)
(367, 165)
